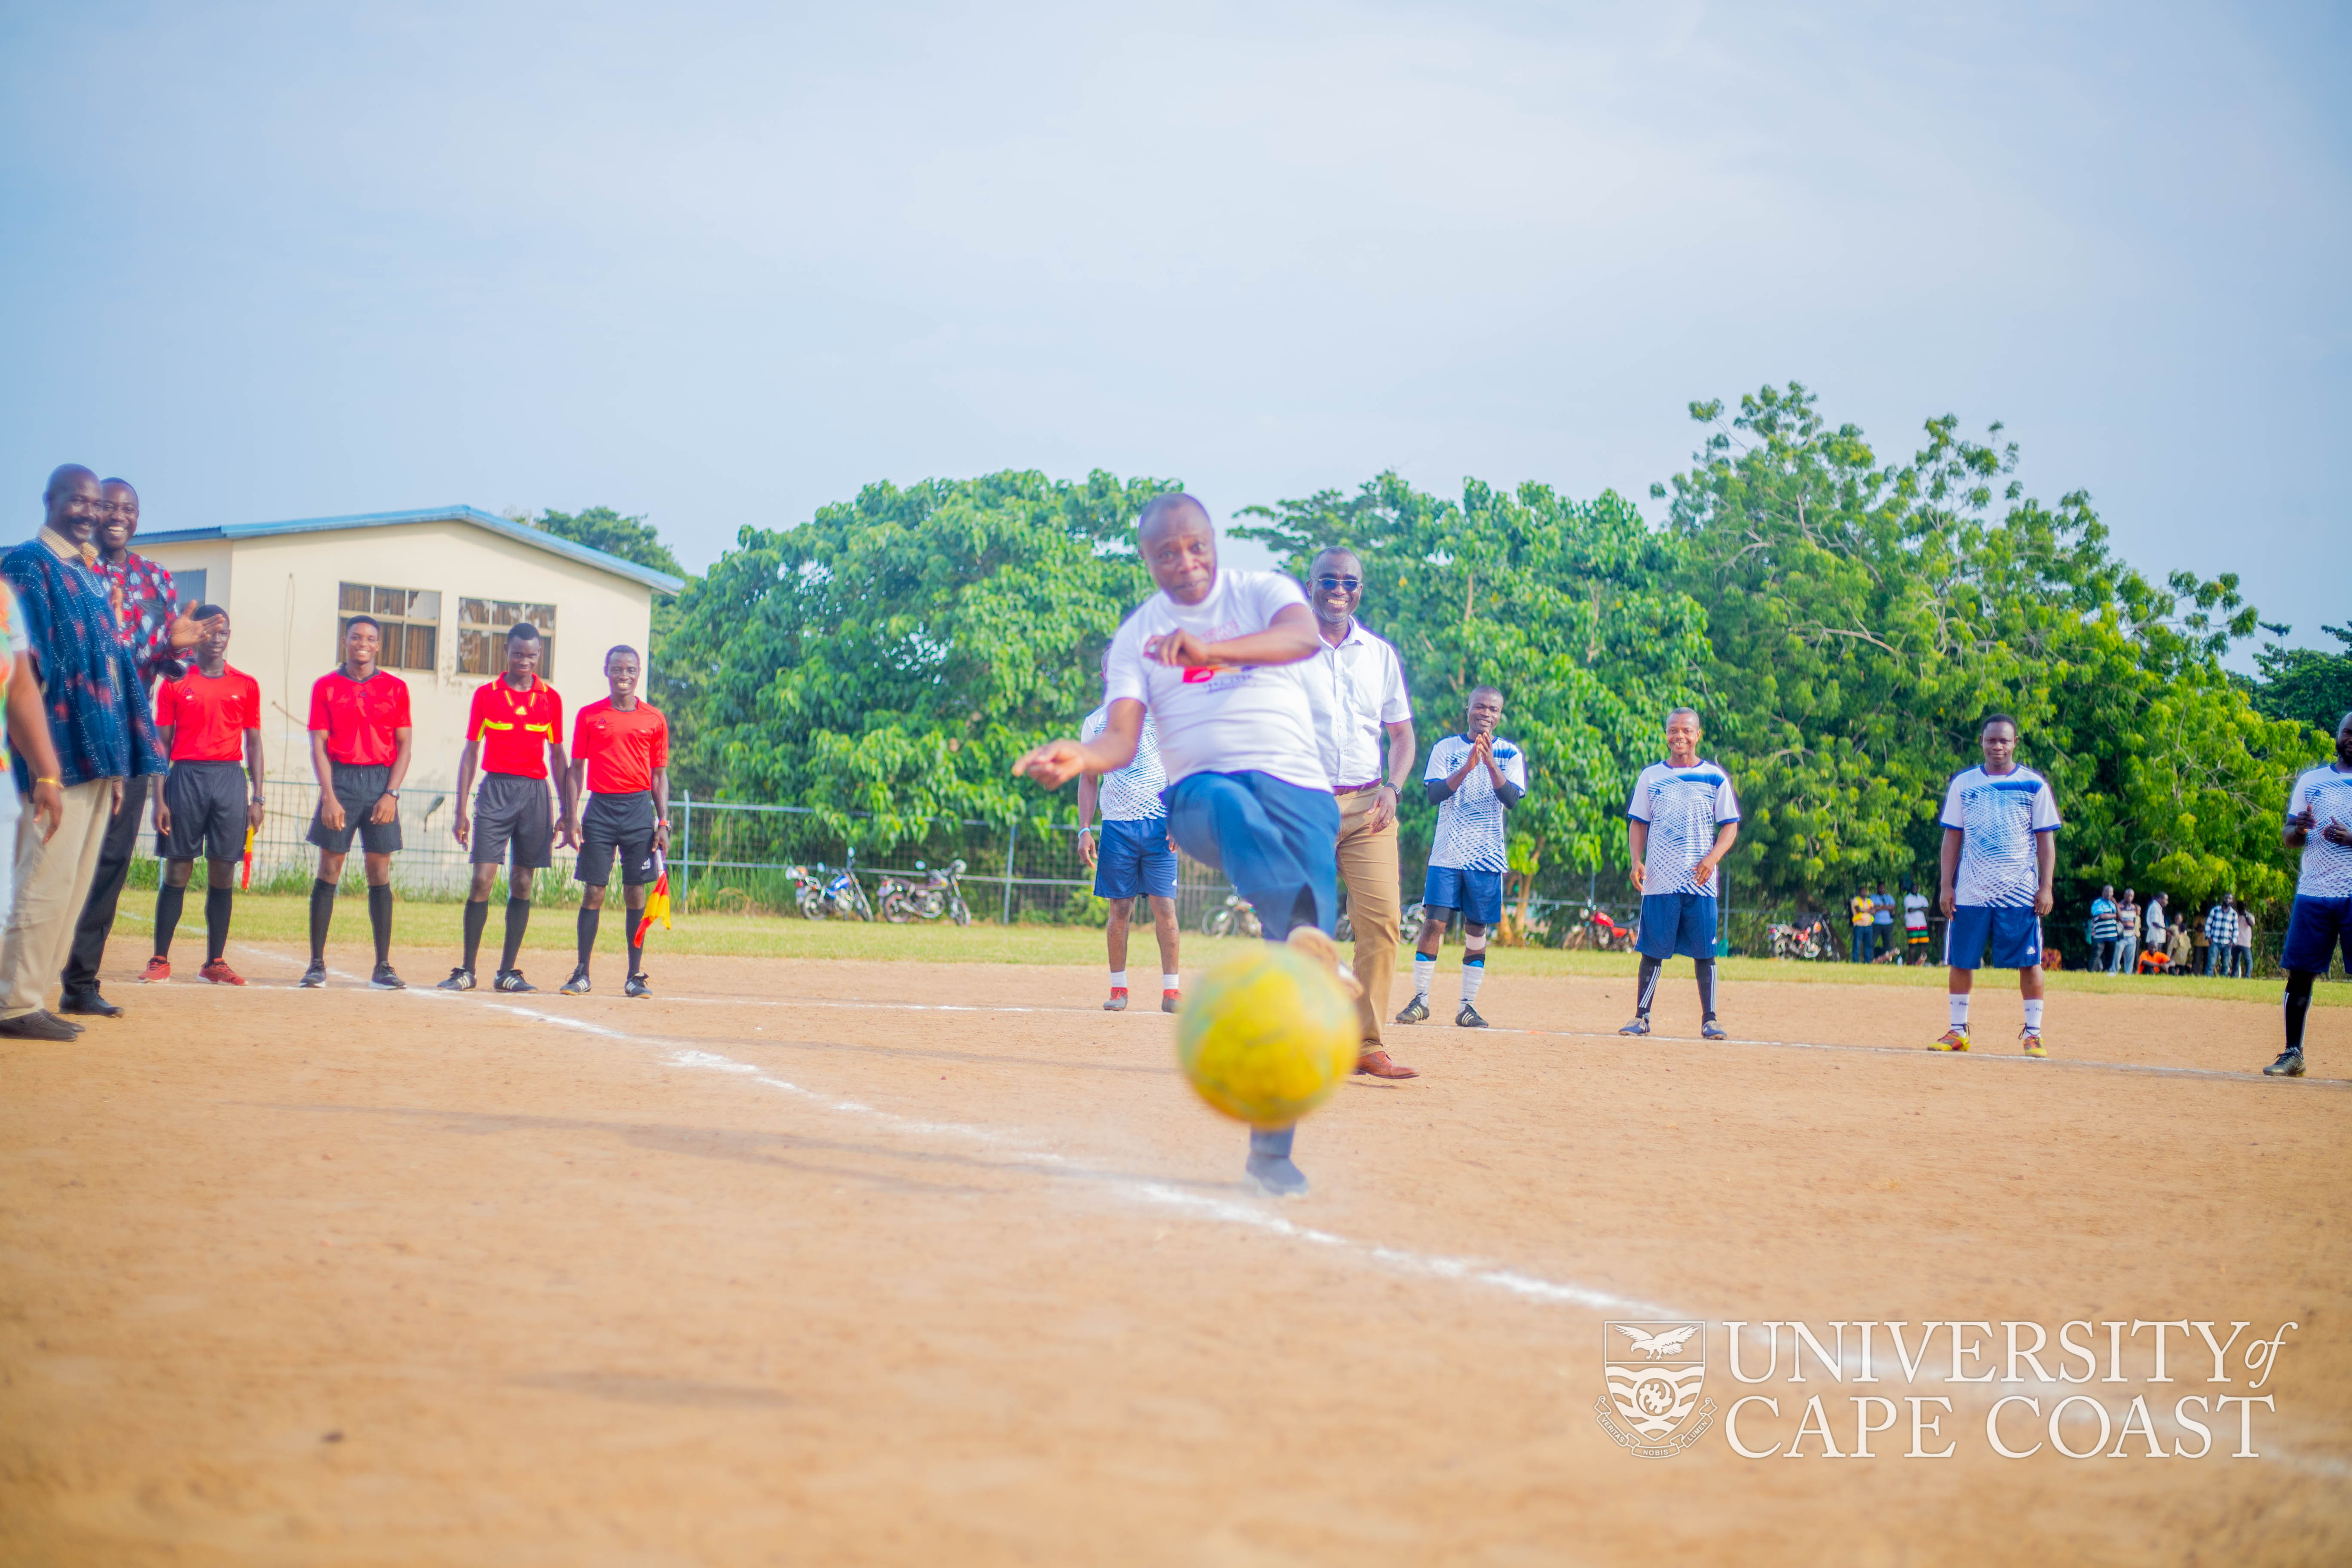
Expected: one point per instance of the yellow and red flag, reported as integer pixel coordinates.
(245, 879)
(656, 903)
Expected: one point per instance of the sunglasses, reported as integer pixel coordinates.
(1328, 583)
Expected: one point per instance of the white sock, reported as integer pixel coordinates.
(1425, 970)
(1119, 978)
(1474, 975)
(1170, 983)
(1959, 1012)
(2033, 1014)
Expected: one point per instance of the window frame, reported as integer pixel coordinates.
(399, 625)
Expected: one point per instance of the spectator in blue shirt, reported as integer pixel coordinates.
(2106, 930)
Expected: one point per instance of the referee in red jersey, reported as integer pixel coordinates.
(210, 721)
(620, 751)
(360, 743)
(516, 734)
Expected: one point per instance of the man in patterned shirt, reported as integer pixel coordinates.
(2220, 935)
(1136, 860)
(145, 610)
(1473, 778)
(1682, 821)
(2001, 857)
(2319, 824)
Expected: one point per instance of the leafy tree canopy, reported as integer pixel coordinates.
(2303, 683)
(602, 528)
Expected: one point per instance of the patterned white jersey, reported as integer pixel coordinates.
(1682, 807)
(1132, 794)
(2326, 867)
(1470, 820)
(1999, 819)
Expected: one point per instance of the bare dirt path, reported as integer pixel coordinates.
(847, 1262)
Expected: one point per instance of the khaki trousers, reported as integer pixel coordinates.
(1368, 864)
(52, 881)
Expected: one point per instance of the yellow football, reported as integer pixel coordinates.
(1266, 1036)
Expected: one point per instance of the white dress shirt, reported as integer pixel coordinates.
(1354, 690)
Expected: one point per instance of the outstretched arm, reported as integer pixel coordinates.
(1057, 762)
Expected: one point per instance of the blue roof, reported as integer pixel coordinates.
(520, 531)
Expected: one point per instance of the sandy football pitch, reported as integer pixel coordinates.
(838, 1262)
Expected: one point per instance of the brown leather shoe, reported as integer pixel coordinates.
(1376, 1064)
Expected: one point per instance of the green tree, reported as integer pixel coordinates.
(602, 528)
(1569, 607)
(895, 654)
(2305, 683)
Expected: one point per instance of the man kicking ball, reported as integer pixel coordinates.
(1680, 823)
(2319, 824)
(1246, 792)
(1136, 858)
(210, 722)
(2000, 856)
(620, 765)
(516, 730)
(1473, 778)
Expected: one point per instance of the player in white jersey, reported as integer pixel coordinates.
(1473, 778)
(2319, 824)
(2001, 857)
(1680, 823)
(1246, 792)
(1136, 858)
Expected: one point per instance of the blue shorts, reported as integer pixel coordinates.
(1478, 894)
(1277, 842)
(2015, 935)
(1133, 860)
(2315, 930)
(1676, 925)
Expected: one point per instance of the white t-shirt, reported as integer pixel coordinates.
(2326, 867)
(1353, 690)
(1999, 819)
(1683, 806)
(1132, 794)
(1915, 911)
(1470, 821)
(1227, 720)
(2154, 925)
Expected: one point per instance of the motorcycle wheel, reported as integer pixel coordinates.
(958, 912)
(811, 907)
(896, 909)
(1409, 925)
(1219, 922)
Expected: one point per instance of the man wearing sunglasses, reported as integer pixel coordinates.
(1356, 691)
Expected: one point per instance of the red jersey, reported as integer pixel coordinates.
(209, 714)
(516, 728)
(622, 749)
(359, 716)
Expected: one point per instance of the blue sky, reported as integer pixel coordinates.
(721, 264)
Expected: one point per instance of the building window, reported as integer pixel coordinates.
(411, 619)
(482, 633)
(188, 587)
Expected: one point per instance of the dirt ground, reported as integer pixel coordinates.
(808, 1262)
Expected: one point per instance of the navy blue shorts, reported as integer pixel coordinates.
(1676, 925)
(2015, 935)
(1478, 894)
(1132, 861)
(2315, 930)
(1277, 842)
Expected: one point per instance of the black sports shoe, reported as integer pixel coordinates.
(637, 986)
(1415, 1010)
(578, 984)
(1468, 1018)
(512, 982)
(460, 979)
(313, 977)
(1640, 1026)
(1711, 1030)
(2289, 1065)
(383, 979)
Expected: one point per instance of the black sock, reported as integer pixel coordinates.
(1645, 990)
(636, 959)
(636, 947)
(1706, 988)
(217, 907)
(380, 917)
(518, 921)
(589, 920)
(477, 915)
(2298, 1003)
(169, 901)
(322, 913)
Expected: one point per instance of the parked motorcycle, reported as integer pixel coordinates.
(1235, 917)
(1409, 927)
(939, 893)
(1596, 932)
(1799, 941)
(823, 895)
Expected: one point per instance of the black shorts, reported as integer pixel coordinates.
(357, 790)
(512, 810)
(207, 802)
(617, 824)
